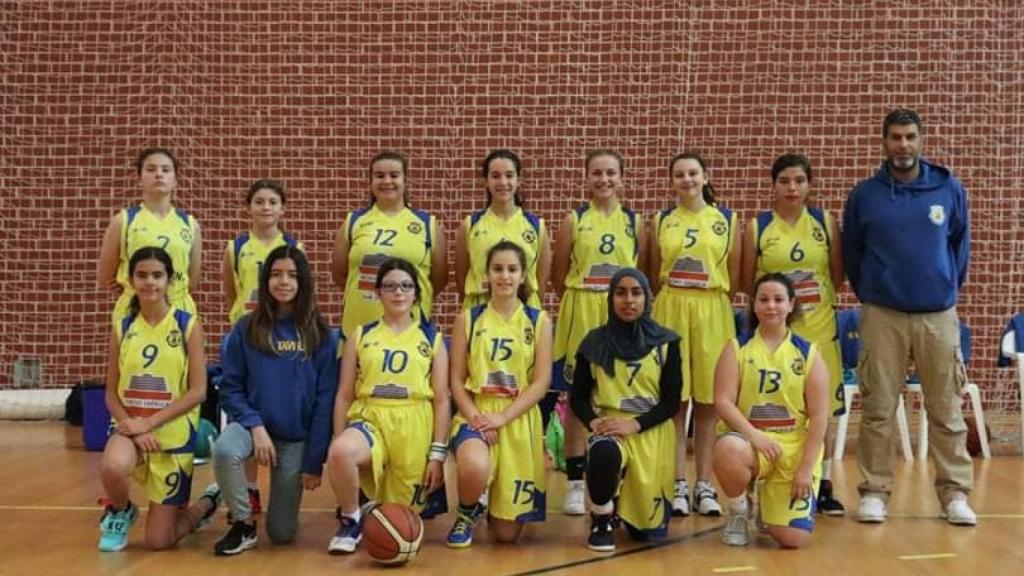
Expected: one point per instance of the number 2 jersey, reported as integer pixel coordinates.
(153, 368)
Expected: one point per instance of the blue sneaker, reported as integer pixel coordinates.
(114, 527)
(348, 536)
(461, 533)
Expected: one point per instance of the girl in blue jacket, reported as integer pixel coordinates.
(280, 377)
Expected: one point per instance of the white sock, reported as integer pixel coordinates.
(704, 484)
(826, 469)
(738, 505)
(603, 509)
(357, 515)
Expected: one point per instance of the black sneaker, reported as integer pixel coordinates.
(602, 537)
(240, 537)
(828, 505)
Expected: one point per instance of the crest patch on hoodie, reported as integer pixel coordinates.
(937, 214)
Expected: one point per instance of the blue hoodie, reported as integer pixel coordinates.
(288, 393)
(906, 246)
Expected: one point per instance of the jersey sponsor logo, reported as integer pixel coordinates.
(174, 338)
(599, 276)
(637, 404)
(414, 227)
(391, 391)
(500, 383)
(688, 272)
(529, 236)
(937, 214)
(771, 417)
(423, 348)
(368, 273)
(146, 395)
(719, 228)
(808, 289)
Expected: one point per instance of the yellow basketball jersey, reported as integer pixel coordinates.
(801, 252)
(771, 394)
(695, 247)
(395, 366)
(174, 233)
(602, 243)
(501, 352)
(485, 229)
(246, 255)
(153, 364)
(635, 388)
(373, 237)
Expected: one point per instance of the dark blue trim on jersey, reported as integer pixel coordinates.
(474, 314)
(763, 220)
(423, 216)
(819, 215)
(352, 219)
(581, 209)
(533, 219)
(429, 331)
(364, 427)
(539, 511)
(532, 313)
(802, 345)
(661, 217)
(244, 237)
(465, 432)
(632, 226)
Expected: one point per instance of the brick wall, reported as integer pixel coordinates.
(308, 91)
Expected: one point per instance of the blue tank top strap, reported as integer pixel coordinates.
(182, 214)
(533, 219)
(819, 215)
(763, 220)
(802, 345)
(425, 218)
(355, 216)
(240, 241)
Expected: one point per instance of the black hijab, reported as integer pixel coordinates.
(625, 340)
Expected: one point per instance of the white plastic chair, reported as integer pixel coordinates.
(1009, 349)
(843, 423)
(971, 390)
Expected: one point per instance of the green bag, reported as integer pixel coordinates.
(554, 442)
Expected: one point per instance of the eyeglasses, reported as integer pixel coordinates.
(397, 286)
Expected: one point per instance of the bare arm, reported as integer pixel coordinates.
(816, 399)
(195, 264)
(543, 265)
(749, 260)
(735, 258)
(346, 386)
(835, 258)
(439, 260)
(562, 257)
(457, 370)
(654, 258)
(339, 259)
(113, 401)
(461, 259)
(110, 254)
(228, 279)
(442, 399)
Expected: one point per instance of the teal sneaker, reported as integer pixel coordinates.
(461, 533)
(114, 527)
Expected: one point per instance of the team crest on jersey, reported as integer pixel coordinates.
(174, 338)
(414, 228)
(630, 232)
(528, 335)
(186, 235)
(529, 236)
(937, 214)
(818, 235)
(718, 228)
(423, 349)
(568, 370)
(797, 367)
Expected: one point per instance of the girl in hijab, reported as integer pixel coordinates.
(625, 391)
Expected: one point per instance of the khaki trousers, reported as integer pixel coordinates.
(888, 338)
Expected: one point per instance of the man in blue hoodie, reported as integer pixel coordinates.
(906, 247)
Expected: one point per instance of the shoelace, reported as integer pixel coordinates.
(462, 525)
(736, 524)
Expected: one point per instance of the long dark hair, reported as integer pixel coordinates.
(401, 159)
(148, 253)
(707, 191)
(779, 278)
(310, 325)
(485, 168)
(510, 246)
(145, 153)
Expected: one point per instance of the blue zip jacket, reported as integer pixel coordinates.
(288, 393)
(907, 246)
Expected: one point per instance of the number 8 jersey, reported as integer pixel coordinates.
(153, 366)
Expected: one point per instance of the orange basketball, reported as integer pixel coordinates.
(392, 534)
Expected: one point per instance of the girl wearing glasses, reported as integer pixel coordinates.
(392, 410)
(388, 228)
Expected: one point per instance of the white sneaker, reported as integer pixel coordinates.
(872, 509)
(706, 500)
(575, 498)
(681, 499)
(958, 512)
(735, 533)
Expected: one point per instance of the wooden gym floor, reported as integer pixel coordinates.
(48, 505)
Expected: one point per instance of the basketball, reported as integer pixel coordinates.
(973, 442)
(392, 534)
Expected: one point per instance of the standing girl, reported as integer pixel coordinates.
(243, 260)
(626, 390)
(154, 222)
(772, 395)
(501, 354)
(502, 219)
(801, 242)
(156, 379)
(280, 376)
(594, 241)
(388, 228)
(695, 263)
(392, 400)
